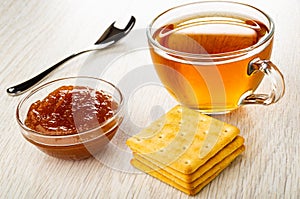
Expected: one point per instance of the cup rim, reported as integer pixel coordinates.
(214, 56)
(37, 134)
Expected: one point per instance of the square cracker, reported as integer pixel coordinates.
(194, 184)
(191, 179)
(203, 180)
(182, 139)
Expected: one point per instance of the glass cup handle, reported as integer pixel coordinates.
(277, 81)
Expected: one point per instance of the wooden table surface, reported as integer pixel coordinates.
(35, 34)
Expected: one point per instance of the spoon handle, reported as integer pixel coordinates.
(111, 35)
(22, 87)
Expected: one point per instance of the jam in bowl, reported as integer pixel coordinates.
(71, 118)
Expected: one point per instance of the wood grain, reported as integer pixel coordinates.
(35, 34)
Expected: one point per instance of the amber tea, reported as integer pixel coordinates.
(212, 55)
(210, 83)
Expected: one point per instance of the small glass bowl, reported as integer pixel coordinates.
(74, 146)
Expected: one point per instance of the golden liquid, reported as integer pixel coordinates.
(209, 86)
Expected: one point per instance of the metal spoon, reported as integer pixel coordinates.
(108, 38)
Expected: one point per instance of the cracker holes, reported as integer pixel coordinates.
(186, 162)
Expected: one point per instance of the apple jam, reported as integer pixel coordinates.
(76, 116)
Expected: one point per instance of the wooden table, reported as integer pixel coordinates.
(35, 34)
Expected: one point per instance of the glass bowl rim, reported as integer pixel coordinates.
(35, 90)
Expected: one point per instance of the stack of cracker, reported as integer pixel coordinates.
(185, 149)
